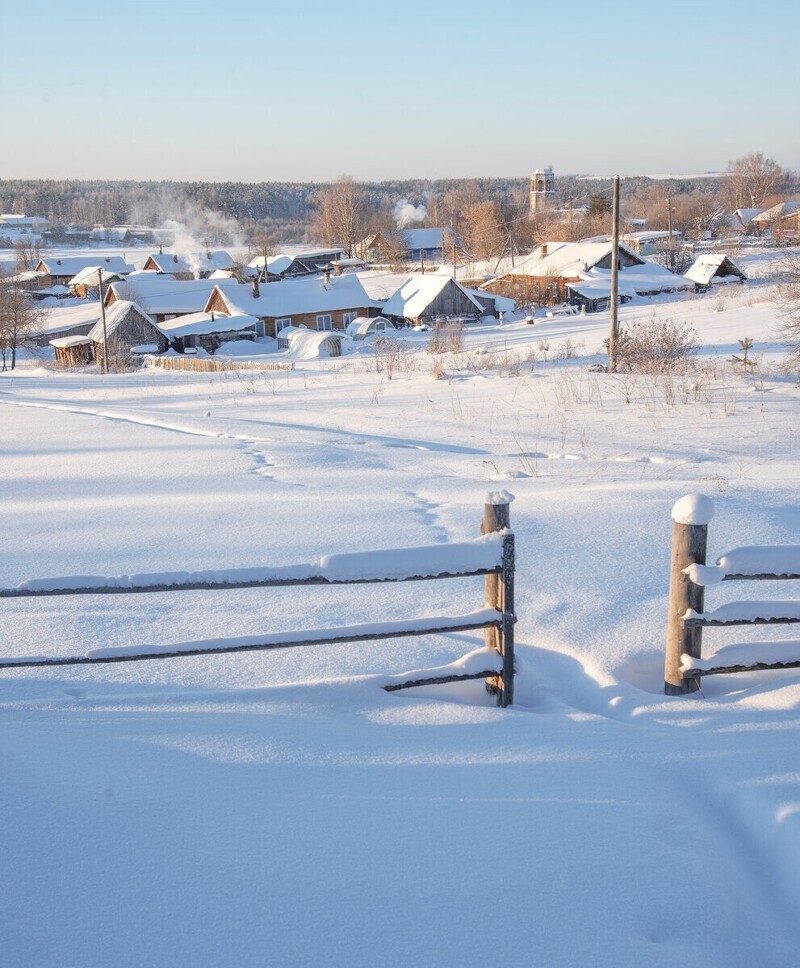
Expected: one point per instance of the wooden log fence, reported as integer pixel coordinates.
(491, 556)
(690, 575)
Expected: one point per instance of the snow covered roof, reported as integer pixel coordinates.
(203, 324)
(638, 280)
(191, 262)
(295, 296)
(65, 341)
(364, 325)
(58, 318)
(88, 276)
(423, 238)
(72, 265)
(280, 263)
(566, 259)
(309, 344)
(158, 295)
(706, 267)
(115, 316)
(777, 211)
(746, 215)
(418, 291)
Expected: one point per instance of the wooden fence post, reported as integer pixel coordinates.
(690, 517)
(500, 591)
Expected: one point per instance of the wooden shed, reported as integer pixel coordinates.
(73, 350)
(127, 327)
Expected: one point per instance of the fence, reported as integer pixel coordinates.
(492, 556)
(203, 365)
(689, 576)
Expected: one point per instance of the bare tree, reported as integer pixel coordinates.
(753, 178)
(19, 319)
(788, 298)
(341, 214)
(28, 254)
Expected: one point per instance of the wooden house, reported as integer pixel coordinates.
(303, 261)
(60, 271)
(128, 330)
(420, 297)
(87, 281)
(544, 275)
(326, 302)
(197, 265)
(163, 298)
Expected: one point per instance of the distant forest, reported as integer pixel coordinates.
(285, 210)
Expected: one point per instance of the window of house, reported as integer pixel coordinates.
(282, 324)
(325, 321)
(348, 318)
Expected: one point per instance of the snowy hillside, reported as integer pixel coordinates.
(283, 809)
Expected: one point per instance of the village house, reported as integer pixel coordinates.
(163, 298)
(57, 322)
(300, 261)
(421, 297)
(59, 271)
(192, 266)
(423, 246)
(127, 333)
(87, 282)
(543, 276)
(325, 302)
(592, 292)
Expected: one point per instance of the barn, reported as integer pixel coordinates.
(711, 269)
(127, 329)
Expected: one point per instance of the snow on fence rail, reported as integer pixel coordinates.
(491, 555)
(690, 575)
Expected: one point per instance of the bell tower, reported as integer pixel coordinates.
(543, 190)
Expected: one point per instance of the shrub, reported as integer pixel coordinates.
(657, 346)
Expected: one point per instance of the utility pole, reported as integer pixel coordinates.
(669, 229)
(614, 329)
(103, 314)
(454, 258)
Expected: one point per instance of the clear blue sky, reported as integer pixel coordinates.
(307, 91)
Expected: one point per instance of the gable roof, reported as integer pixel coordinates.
(203, 324)
(706, 267)
(417, 292)
(88, 276)
(157, 295)
(115, 317)
(567, 260)
(193, 262)
(72, 265)
(777, 211)
(292, 297)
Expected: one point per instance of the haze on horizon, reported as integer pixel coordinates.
(193, 91)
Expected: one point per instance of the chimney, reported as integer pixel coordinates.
(256, 290)
(175, 258)
(326, 275)
(544, 249)
(337, 269)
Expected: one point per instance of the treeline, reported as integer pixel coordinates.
(285, 210)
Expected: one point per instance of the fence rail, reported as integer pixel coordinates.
(689, 577)
(491, 556)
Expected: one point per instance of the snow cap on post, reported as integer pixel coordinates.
(498, 497)
(693, 509)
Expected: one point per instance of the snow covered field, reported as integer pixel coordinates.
(281, 808)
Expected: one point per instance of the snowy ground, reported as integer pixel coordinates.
(282, 809)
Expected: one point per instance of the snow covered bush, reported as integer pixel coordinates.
(788, 298)
(657, 346)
